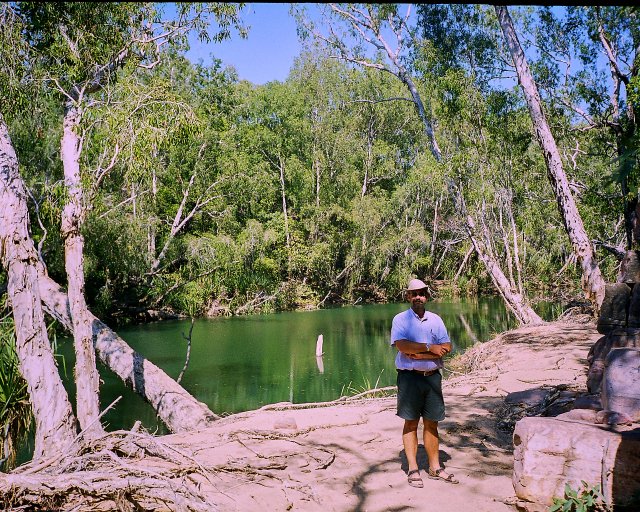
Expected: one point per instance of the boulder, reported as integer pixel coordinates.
(618, 338)
(620, 390)
(588, 402)
(633, 316)
(612, 418)
(630, 267)
(552, 452)
(588, 415)
(614, 308)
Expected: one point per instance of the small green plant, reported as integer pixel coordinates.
(587, 499)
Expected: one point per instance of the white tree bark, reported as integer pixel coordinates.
(284, 210)
(55, 423)
(184, 216)
(592, 280)
(514, 300)
(73, 216)
(179, 410)
(369, 28)
(54, 418)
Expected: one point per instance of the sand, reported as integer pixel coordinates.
(348, 456)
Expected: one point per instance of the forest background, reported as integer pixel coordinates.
(398, 146)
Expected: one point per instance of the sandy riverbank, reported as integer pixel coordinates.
(349, 457)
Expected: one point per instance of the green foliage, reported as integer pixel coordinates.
(15, 93)
(69, 40)
(192, 211)
(15, 409)
(586, 499)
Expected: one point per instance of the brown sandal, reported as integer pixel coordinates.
(434, 474)
(414, 478)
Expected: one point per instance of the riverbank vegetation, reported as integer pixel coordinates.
(210, 195)
(443, 145)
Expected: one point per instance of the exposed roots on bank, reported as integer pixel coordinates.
(119, 471)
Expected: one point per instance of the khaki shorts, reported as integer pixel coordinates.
(420, 396)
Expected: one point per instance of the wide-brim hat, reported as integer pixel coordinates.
(416, 284)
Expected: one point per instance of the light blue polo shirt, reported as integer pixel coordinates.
(429, 329)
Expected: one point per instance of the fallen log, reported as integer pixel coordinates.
(178, 409)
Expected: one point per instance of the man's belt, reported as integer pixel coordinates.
(423, 373)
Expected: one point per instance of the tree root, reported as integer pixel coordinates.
(119, 471)
(322, 457)
(129, 471)
(288, 406)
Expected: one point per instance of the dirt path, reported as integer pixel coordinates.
(349, 457)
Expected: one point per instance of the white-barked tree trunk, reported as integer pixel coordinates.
(593, 283)
(73, 215)
(55, 423)
(177, 409)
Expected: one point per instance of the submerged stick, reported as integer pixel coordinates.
(319, 346)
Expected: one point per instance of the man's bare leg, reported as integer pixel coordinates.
(410, 442)
(432, 443)
(432, 446)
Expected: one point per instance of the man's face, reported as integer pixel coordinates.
(417, 297)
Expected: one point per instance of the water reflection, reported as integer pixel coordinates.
(242, 363)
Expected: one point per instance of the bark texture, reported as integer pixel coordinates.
(179, 411)
(514, 300)
(55, 423)
(592, 280)
(73, 215)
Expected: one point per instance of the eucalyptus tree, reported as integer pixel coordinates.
(486, 140)
(389, 145)
(54, 418)
(325, 87)
(377, 36)
(383, 30)
(55, 422)
(273, 128)
(589, 68)
(78, 58)
(363, 146)
(175, 189)
(592, 279)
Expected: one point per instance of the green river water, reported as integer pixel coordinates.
(243, 363)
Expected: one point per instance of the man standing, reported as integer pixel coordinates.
(422, 340)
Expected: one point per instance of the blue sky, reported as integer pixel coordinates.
(268, 52)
